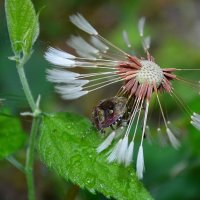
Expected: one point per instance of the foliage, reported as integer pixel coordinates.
(23, 25)
(172, 47)
(68, 145)
(12, 136)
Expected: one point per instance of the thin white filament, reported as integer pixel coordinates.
(105, 85)
(68, 89)
(112, 45)
(63, 59)
(57, 59)
(106, 143)
(196, 120)
(122, 150)
(148, 134)
(111, 77)
(146, 43)
(113, 155)
(82, 47)
(141, 24)
(98, 44)
(179, 69)
(103, 82)
(75, 82)
(126, 39)
(79, 21)
(173, 140)
(140, 163)
(145, 121)
(75, 95)
(196, 117)
(161, 139)
(60, 53)
(133, 116)
(96, 74)
(161, 110)
(137, 122)
(196, 125)
(59, 76)
(129, 154)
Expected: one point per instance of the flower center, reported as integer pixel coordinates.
(149, 73)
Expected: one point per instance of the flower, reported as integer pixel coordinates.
(141, 79)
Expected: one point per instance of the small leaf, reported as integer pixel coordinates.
(12, 136)
(23, 25)
(67, 145)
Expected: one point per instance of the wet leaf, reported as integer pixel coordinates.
(67, 145)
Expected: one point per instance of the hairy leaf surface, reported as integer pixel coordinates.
(23, 25)
(67, 145)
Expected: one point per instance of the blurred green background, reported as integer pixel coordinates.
(175, 30)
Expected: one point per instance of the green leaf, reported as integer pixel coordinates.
(12, 137)
(67, 145)
(23, 25)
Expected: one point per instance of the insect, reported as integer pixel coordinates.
(108, 112)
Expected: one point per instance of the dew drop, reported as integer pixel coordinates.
(90, 181)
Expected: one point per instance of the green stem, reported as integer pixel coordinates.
(15, 163)
(30, 158)
(27, 91)
(34, 128)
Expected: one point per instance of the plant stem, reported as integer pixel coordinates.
(30, 158)
(27, 91)
(15, 163)
(34, 128)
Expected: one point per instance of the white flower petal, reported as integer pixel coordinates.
(196, 125)
(60, 53)
(148, 134)
(126, 39)
(60, 76)
(173, 140)
(197, 116)
(106, 143)
(195, 120)
(56, 59)
(161, 138)
(82, 47)
(141, 23)
(129, 154)
(146, 42)
(79, 21)
(140, 163)
(98, 44)
(85, 55)
(113, 155)
(122, 150)
(75, 95)
(67, 89)
(74, 82)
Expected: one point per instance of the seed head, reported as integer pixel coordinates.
(149, 73)
(141, 79)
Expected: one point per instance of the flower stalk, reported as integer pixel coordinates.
(24, 82)
(34, 128)
(30, 158)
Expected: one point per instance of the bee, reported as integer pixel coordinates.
(109, 112)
